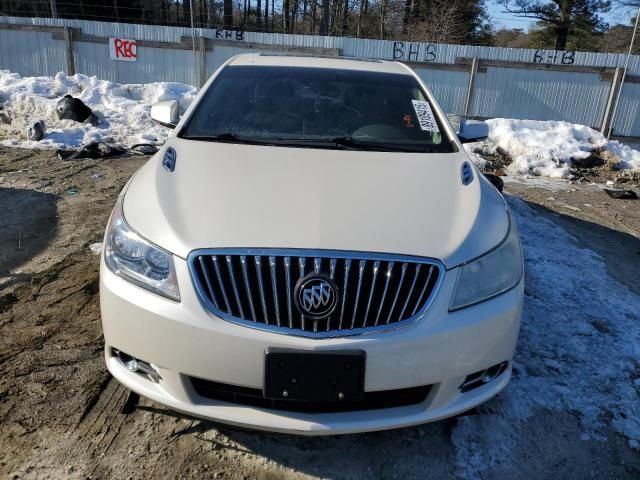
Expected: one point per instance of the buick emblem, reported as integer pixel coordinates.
(316, 296)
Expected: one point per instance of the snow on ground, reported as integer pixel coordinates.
(546, 148)
(578, 352)
(123, 110)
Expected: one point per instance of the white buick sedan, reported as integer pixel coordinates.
(312, 252)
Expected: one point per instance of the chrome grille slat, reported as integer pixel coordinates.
(301, 264)
(220, 282)
(424, 288)
(332, 273)
(377, 292)
(384, 292)
(258, 261)
(413, 284)
(345, 288)
(361, 267)
(247, 286)
(274, 287)
(207, 281)
(395, 297)
(287, 272)
(317, 263)
(376, 266)
(232, 274)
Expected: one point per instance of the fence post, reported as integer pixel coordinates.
(606, 119)
(202, 66)
(68, 50)
(472, 78)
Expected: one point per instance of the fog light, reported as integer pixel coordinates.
(142, 368)
(131, 364)
(483, 377)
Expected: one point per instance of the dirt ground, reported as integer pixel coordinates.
(60, 411)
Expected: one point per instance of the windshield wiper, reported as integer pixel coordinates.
(345, 142)
(231, 138)
(374, 145)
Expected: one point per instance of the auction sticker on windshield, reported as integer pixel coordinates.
(425, 116)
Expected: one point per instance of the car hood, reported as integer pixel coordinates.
(230, 195)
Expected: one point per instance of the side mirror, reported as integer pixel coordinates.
(455, 121)
(166, 113)
(473, 131)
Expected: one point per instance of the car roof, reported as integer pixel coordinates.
(318, 61)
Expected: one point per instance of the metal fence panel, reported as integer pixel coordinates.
(448, 86)
(627, 122)
(351, 47)
(153, 65)
(522, 89)
(576, 97)
(31, 53)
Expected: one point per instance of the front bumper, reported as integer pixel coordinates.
(183, 340)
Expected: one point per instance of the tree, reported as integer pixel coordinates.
(511, 38)
(324, 17)
(286, 23)
(617, 40)
(449, 21)
(562, 17)
(186, 12)
(442, 24)
(227, 8)
(259, 14)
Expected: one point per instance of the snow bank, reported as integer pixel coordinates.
(578, 352)
(546, 148)
(629, 158)
(123, 110)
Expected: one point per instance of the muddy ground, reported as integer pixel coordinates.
(60, 412)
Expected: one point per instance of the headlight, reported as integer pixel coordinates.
(492, 274)
(132, 257)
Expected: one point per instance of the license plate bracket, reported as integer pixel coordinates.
(328, 377)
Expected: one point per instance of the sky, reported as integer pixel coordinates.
(506, 20)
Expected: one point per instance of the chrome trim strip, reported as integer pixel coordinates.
(337, 254)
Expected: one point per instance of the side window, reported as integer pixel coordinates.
(418, 95)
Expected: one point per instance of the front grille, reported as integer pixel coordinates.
(256, 288)
(255, 398)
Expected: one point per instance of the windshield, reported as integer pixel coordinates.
(318, 108)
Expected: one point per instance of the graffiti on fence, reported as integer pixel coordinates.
(229, 35)
(414, 52)
(554, 57)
